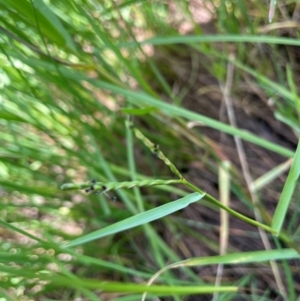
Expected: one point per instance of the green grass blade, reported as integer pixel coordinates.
(233, 258)
(286, 93)
(242, 257)
(293, 87)
(270, 176)
(288, 273)
(216, 38)
(287, 192)
(171, 110)
(138, 219)
(49, 23)
(25, 233)
(137, 288)
(10, 116)
(56, 25)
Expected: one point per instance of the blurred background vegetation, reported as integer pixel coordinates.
(213, 83)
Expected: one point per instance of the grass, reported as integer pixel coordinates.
(101, 90)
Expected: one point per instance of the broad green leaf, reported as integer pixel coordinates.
(138, 219)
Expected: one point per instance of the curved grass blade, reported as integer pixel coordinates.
(139, 98)
(171, 110)
(49, 22)
(271, 175)
(287, 192)
(60, 33)
(138, 219)
(241, 258)
(234, 258)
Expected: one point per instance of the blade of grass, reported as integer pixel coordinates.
(224, 184)
(157, 255)
(293, 88)
(137, 288)
(271, 175)
(234, 258)
(17, 229)
(288, 273)
(50, 24)
(138, 219)
(267, 82)
(214, 39)
(287, 192)
(171, 110)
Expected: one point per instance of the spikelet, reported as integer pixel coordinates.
(154, 148)
(101, 187)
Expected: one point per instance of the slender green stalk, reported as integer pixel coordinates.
(229, 210)
(131, 164)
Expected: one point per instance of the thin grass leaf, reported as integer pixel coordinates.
(287, 192)
(132, 169)
(237, 258)
(55, 24)
(138, 219)
(291, 81)
(17, 229)
(234, 258)
(49, 23)
(286, 93)
(122, 287)
(294, 124)
(104, 264)
(171, 110)
(270, 176)
(288, 272)
(214, 39)
(151, 234)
